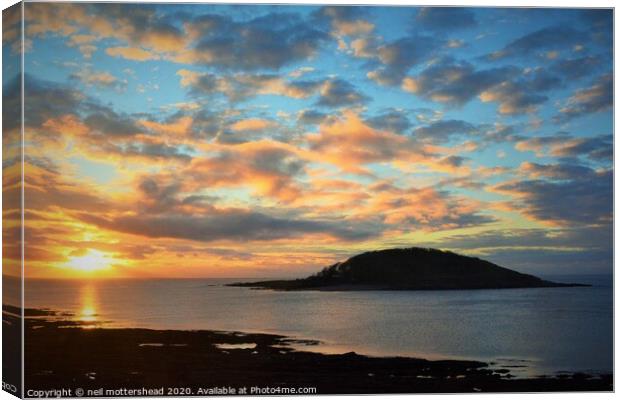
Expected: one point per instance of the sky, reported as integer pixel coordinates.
(170, 140)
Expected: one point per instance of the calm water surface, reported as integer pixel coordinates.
(533, 331)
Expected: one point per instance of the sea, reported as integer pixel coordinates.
(531, 332)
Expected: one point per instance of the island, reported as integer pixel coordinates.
(410, 269)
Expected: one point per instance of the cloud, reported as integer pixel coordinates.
(100, 79)
(427, 209)
(391, 60)
(351, 144)
(576, 68)
(176, 126)
(12, 106)
(299, 72)
(346, 21)
(311, 117)
(202, 83)
(391, 120)
(257, 45)
(442, 131)
(42, 18)
(150, 150)
(399, 56)
(271, 41)
(239, 87)
(61, 119)
(585, 198)
(228, 225)
(157, 196)
(563, 171)
(453, 161)
(266, 84)
(109, 123)
(265, 166)
(46, 100)
(340, 93)
(47, 190)
(206, 124)
(138, 25)
(455, 82)
(364, 47)
(351, 29)
(455, 44)
(547, 39)
(596, 98)
(131, 53)
(11, 26)
(252, 124)
(598, 18)
(105, 134)
(388, 207)
(518, 91)
(599, 147)
(444, 19)
(84, 43)
(513, 98)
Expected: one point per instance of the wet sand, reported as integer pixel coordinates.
(62, 353)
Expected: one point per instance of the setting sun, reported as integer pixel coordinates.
(93, 260)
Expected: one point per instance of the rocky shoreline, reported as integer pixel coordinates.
(60, 350)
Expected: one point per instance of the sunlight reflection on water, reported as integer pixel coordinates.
(88, 300)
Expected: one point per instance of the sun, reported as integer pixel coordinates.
(93, 260)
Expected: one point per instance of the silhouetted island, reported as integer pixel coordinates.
(410, 269)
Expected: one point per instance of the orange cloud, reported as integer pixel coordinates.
(96, 78)
(252, 124)
(131, 26)
(180, 127)
(43, 18)
(351, 144)
(352, 28)
(66, 126)
(266, 166)
(423, 208)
